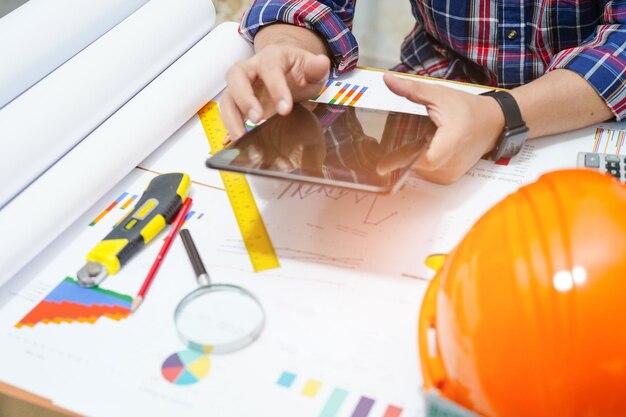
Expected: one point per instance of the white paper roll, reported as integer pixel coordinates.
(52, 203)
(41, 35)
(45, 122)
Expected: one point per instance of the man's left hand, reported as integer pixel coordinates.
(468, 127)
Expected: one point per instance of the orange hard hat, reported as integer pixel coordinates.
(527, 316)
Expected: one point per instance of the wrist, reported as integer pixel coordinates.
(289, 35)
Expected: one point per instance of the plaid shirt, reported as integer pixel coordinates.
(503, 43)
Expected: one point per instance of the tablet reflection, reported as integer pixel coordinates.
(336, 143)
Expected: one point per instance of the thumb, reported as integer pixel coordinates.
(438, 153)
(316, 69)
(416, 91)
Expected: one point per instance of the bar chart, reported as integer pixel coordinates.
(113, 205)
(340, 92)
(609, 141)
(124, 201)
(336, 401)
(71, 303)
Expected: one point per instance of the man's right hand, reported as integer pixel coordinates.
(289, 67)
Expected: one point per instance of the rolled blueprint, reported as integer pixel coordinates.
(56, 199)
(41, 35)
(40, 126)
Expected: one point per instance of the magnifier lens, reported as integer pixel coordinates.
(219, 318)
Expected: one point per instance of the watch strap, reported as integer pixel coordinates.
(515, 131)
(512, 115)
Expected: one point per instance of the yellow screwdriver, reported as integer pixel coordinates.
(156, 208)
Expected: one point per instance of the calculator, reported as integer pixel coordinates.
(611, 164)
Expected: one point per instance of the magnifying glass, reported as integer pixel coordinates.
(216, 318)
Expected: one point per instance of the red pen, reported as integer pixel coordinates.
(176, 225)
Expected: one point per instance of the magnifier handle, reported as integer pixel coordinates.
(194, 256)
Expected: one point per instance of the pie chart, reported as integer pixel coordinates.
(186, 367)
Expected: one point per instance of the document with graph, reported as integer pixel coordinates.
(337, 342)
(340, 336)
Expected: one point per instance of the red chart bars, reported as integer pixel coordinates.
(338, 400)
(71, 303)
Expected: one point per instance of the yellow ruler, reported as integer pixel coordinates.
(255, 236)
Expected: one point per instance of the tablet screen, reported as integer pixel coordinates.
(341, 146)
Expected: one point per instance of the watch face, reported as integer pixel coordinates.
(511, 142)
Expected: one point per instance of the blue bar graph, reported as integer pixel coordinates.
(286, 379)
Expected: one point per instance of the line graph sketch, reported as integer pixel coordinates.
(302, 192)
(322, 225)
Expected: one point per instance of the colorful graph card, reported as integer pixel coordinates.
(71, 303)
(328, 84)
(609, 141)
(339, 92)
(186, 367)
(338, 400)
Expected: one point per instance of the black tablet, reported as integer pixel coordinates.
(341, 146)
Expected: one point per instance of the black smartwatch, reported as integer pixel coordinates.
(515, 131)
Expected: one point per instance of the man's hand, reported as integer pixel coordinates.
(290, 65)
(468, 127)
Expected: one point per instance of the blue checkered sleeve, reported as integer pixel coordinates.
(330, 19)
(600, 58)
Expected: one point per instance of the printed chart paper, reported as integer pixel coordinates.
(348, 338)
(340, 337)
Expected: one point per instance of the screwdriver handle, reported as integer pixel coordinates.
(156, 208)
